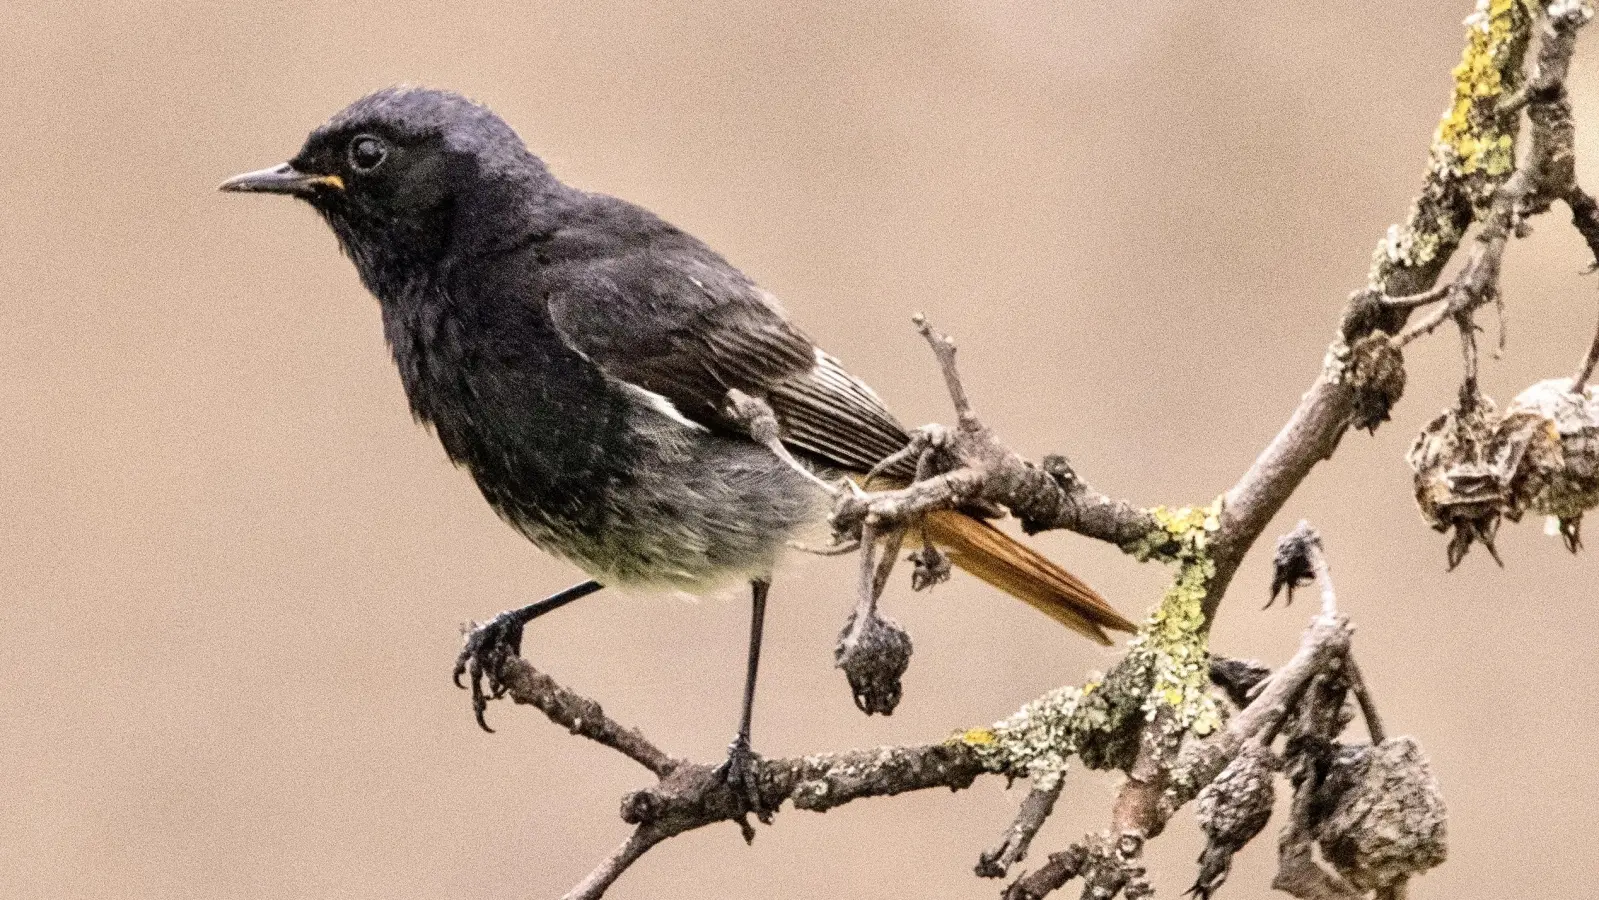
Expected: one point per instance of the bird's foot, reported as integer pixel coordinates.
(742, 773)
(488, 646)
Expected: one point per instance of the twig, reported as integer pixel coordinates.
(892, 543)
(841, 549)
(1051, 876)
(1317, 726)
(611, 868)
(944, 349)
(996, 862)
(1580, 380)
(582, 716)
(1585, 218)
(1368, 707)
(1416, 301)
(988, 473)
(1317, 557)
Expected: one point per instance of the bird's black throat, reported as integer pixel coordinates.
(540, 428)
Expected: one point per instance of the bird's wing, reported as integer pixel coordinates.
(670, 316)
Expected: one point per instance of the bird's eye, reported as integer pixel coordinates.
(367, 152)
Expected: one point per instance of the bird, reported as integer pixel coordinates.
(621, 394)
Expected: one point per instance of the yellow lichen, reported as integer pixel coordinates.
(1175, 639)
(980, 737)
(1473, 149)
(1167, 667)
(1470, 137)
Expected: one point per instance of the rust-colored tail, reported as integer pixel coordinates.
(993, 556)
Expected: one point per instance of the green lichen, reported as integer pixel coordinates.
(1473, 149)
(1164, 543)
(1036, 741)
(1175, 640)
(1167, 668)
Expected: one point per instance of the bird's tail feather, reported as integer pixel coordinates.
(1000, 560)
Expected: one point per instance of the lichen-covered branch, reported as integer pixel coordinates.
(1470, 177)
(1372, 809)
(1198, 764)
(690, 795)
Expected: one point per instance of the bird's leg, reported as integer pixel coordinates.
(741, 772)
(489, 644)
(756, 415)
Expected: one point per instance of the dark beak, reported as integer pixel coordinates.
(282, 179)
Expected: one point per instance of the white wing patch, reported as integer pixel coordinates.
(663, 406)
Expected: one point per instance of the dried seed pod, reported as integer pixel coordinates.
(1375, 371)
(1560, 473)
(1457, 484)
(1387, 819)
(1231, 811)
(873, 659)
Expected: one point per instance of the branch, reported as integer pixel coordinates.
(1325, 642)
(692, 795)
(1329, 407)
(605, 874)
(582, 716)
(981, 470)
(1154, 715)
(1040, 802)
(1585, 371)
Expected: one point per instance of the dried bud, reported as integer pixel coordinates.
(930, 566)
(1239, 678)
(1460, 479)
(1231, 811)
(873, 657)
(1387, 819)
(1560, 470)
(1376, 373)
(1291, 566)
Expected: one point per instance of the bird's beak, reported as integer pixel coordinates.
(282, 179)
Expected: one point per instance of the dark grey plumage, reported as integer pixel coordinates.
(574, 352)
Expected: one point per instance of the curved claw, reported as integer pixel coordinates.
(488, 646)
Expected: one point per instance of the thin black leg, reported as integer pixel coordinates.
(758, 591)
(490, 644)
(740, 770)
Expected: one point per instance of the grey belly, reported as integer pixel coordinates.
(698, 511)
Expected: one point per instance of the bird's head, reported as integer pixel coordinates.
(405, 175)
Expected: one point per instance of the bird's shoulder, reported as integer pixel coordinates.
(654, 306)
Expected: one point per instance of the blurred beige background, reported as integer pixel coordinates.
(233, 570)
